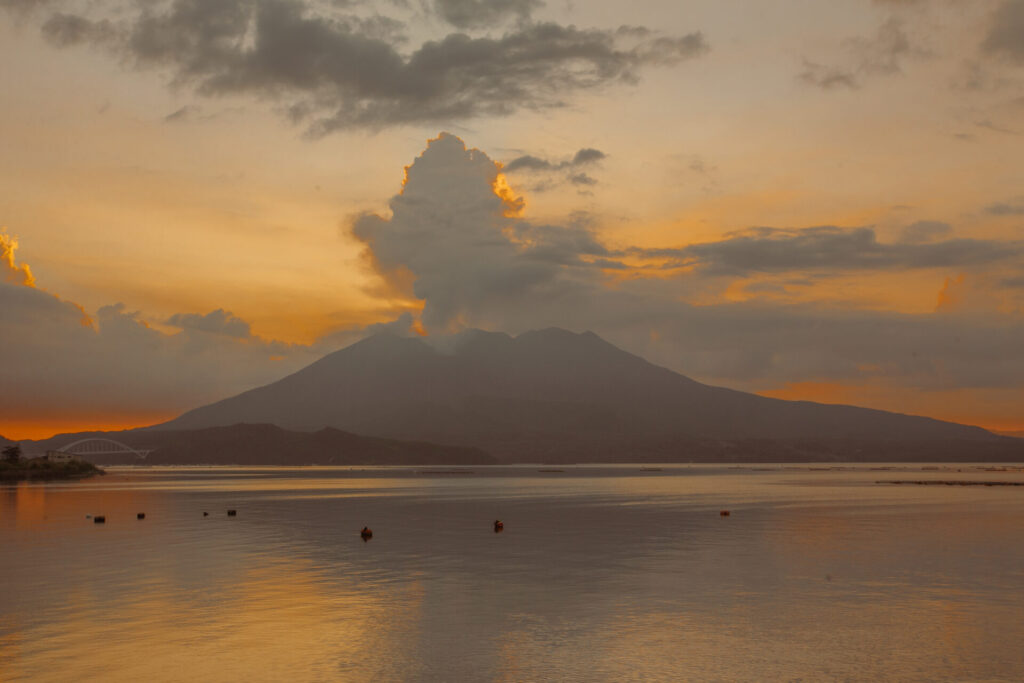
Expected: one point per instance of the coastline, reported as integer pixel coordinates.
(34, 471)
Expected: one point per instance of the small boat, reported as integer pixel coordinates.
(366, 533)
(498, 525)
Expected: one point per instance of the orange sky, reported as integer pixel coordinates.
(120, 189)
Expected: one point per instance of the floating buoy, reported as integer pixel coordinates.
(498, 525)
(99, 519)
(232, 513)
(141, 515)
(366, 533)
(724, 513)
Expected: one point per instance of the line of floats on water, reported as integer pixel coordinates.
(366, 533)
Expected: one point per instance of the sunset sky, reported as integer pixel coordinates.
(813, 200)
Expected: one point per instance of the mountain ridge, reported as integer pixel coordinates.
(543, 391)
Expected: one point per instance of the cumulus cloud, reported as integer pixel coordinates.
(476, 261)
(454, 228)
(332, 68)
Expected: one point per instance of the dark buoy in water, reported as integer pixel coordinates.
(366, 534)
(724, 513)
(498, 526)
(206, 514)
(99, 519)
(232, 513)
(141, 515)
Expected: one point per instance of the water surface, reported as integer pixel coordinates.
(601, 574)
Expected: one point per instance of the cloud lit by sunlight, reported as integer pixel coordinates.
(15, 273)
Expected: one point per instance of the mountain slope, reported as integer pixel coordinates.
(544, 392)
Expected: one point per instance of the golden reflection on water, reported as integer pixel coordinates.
(279, 621)
(615, 577)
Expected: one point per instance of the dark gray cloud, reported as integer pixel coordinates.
(24, 7)
(555, 173)
(528, 162)
(582, 179)
(214, 322)
(830, 248)
(334, 69)
(69, 29)
(482, 13)
(882, 54)
(1005, 209)
(827, 77)
(1006, 33)
(588, 155)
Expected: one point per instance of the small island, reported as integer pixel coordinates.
(53, 465)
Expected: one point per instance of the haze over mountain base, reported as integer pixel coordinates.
(544, 396)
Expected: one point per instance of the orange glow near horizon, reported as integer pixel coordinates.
(941, 405)
(46, 427)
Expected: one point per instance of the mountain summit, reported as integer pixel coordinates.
(557, 395)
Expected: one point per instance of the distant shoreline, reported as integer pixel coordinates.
(46, 471)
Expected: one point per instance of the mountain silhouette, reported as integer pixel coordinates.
(557, 395)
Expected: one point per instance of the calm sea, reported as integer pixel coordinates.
(600, 574)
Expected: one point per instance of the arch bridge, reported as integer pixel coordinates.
(98, 446)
